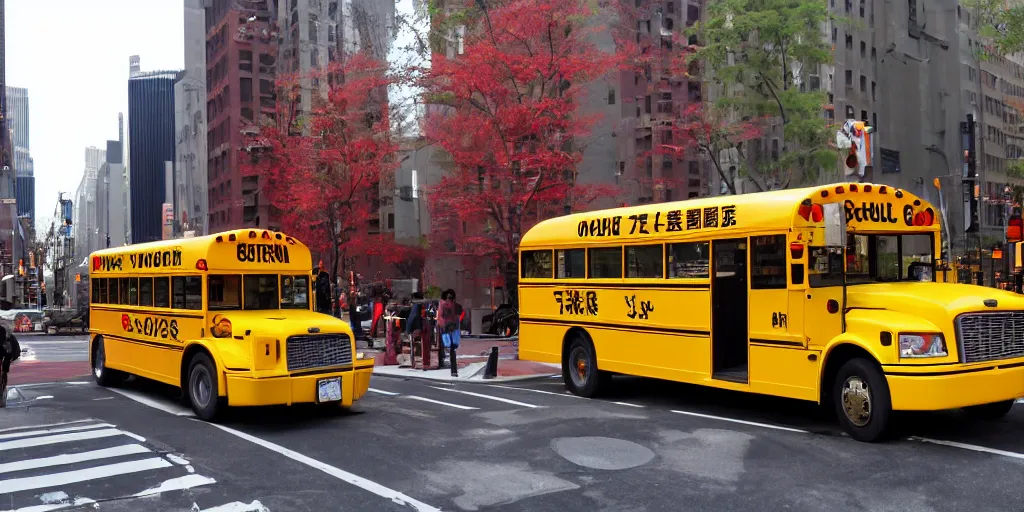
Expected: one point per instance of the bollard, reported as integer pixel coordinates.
(391, 343)
(492, 364)
(427, 339)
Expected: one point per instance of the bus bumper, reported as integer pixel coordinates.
(296, 389)
(954, 388)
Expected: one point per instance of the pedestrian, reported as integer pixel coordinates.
(451, 332)
(10, 351)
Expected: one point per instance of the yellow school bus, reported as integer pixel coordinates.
(225, 317)
(826, 294)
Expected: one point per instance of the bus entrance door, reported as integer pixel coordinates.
(729, 310)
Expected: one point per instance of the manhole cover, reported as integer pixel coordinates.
(602, 452)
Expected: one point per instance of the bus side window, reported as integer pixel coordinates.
(95, 290)
(146, 291)
(571, 264)
(537, 265)
(113, 291)
(689, 260)
(187, 292)
(161, 292)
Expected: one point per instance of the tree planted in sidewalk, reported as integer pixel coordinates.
(507, 95)
(321, 170)
(755, 57)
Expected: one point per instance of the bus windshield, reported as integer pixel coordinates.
(258, 292)
(875, 259)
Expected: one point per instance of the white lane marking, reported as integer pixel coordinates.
(167, 407)
(29, 433)
(134, 436)
(81, 475)
(12, 429)
(358, 481)
(540, 391)
(235, 506)
(381, 391)
(457, 406)
(744, 422)
(73, 458)
(59, 438)
(103, 398)
(972, 447)
(177, 460)
(1020, 400)
(627, 404)
(77, 383)
(56, 506)
(44, 397)
(489, 397)
(177, 484)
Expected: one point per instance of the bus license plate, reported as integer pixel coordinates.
(328, 390)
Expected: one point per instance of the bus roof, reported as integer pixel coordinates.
(869, 207)
(241, 250)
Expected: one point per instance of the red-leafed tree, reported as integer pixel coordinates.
(508, 113)
(322, 169)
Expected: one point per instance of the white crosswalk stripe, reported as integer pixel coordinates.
(63, 465)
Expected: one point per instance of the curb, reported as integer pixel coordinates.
(477, 370)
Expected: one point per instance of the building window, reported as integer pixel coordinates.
(245, 89)
(611, 95)
(849, 41)
(391, 221)
(863, 83)
(849, 79)
(873, 90)
(863, 49)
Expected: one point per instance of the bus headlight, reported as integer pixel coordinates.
(922, 345)
(361, 355)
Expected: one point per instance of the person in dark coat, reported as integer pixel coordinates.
(10, 351)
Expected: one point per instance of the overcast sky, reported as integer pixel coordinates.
(72, 55)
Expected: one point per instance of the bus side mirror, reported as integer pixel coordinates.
(835, 225)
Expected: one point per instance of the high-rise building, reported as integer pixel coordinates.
(241, 65)
(151, 147)
(111, 199)
(190, 177)
(85, 222)
(24, 187)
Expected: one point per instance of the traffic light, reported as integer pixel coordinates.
(78, 278)
(21, 267)
(1015, 226)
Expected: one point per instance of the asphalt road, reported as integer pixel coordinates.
(424, 446)
(57, 348)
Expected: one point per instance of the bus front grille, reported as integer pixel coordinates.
(990, 336)
(316, 351)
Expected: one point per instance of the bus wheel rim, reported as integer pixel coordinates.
(580, 369)
(98, 362)
(856, 399)
(201, 386)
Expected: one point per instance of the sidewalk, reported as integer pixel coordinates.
(472, 361)
(32, 372)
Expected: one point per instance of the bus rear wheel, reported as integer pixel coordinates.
(201, 387)
(104, 376)
(579, 369)
(862, 400)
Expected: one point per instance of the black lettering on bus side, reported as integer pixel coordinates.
(156, 259)
(262, 253)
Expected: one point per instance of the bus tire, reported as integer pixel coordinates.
(992, 411)
(862, 401)
(104, 376)
(201, 387)
(579, 368)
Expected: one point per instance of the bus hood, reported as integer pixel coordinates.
(282, 323)
(938, 303)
